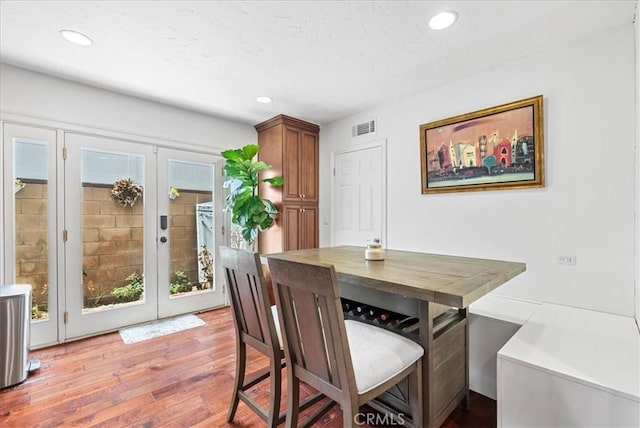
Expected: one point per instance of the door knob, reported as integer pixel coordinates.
(163, 239)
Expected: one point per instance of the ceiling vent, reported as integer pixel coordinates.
(363, 128)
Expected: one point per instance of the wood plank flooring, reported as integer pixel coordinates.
(180, 380)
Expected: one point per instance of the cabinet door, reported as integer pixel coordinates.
(300, 165)
(290, 227)
(292, 191)
(308, 226)
(300, 227)
(308, 167)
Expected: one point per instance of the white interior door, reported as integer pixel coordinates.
(189, 230)
(30, 234)
(111, 264)
(359, 194)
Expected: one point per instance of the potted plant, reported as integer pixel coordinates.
(248, 210)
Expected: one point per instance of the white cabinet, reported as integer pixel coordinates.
(493, 320)
(570, 367)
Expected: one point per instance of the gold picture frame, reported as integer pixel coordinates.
(501, 147)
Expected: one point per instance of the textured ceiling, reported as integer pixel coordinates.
(319, 60)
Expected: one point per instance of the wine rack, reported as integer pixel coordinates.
(406, 325)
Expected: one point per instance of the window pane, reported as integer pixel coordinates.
(112, 229)
(31, 221)
(190, 227)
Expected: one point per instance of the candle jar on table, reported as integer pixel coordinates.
(374, 250)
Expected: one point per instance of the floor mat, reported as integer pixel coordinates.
(159, 328)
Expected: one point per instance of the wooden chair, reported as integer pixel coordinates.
(348, 361)
(256, 325)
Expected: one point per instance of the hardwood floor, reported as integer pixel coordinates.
(180, 380)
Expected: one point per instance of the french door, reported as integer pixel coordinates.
(190, 223)
(140, 229)
(30, 243)
(110, 237)
(108, 233)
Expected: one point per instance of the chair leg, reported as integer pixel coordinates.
(241, 361)
(275, 392)
(349, 413)
(293, 397)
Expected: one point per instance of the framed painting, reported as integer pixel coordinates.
(500, 147)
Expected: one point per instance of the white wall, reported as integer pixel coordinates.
(586, 208)
(637, 26)
(41, 96)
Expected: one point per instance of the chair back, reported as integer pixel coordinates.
(249, 299)
(312, 326)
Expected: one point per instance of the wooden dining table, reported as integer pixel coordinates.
(434, 288)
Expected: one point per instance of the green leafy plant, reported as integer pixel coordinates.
(40, 310)
(37, 313)
(132, 291)
(248, 210)
(182, 284)
(94, 295)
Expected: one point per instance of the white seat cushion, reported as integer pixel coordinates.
(276, 322)
(378, 354)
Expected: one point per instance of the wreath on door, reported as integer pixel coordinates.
(126, 192)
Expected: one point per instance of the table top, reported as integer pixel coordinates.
(448, 280)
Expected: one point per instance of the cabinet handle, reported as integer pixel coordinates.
(302, 196)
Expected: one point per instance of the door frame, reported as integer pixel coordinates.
(382, 143)
(61, 127)
(79, 323)
(42, 332)
(188, 302)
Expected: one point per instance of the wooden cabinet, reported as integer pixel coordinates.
(290, 146)
(300, 163)
(300, 227)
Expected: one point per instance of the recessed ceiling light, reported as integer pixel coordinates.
(264, 100)
(76, 37)
(443, 20)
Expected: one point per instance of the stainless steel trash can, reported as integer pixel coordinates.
(15, 319)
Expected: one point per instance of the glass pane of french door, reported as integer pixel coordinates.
(110, 217)
(29, 206)
(189, 228)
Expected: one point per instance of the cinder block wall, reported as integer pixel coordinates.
(112, 238)
(182, 233)
(31, 250)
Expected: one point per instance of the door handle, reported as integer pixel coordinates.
(163, 223)
(163, 239)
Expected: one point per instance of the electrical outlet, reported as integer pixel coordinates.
(566, 260)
